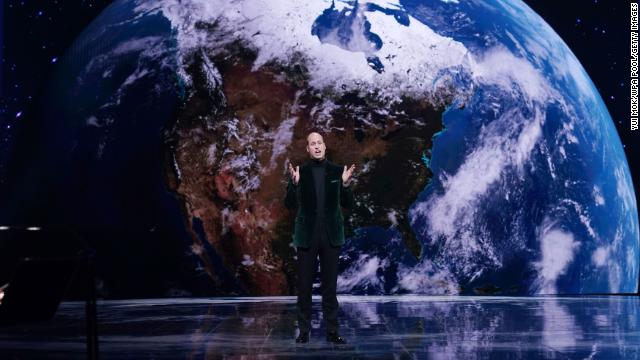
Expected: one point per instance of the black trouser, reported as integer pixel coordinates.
(307, 265)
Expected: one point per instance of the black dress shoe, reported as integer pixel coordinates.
(303, 337)
(335, 338)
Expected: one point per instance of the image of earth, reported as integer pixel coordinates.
(486, 160)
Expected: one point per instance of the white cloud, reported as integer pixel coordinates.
(498, 66)
(247, 260)
(361, 273)
(424, 278)
(615, 277)
(281, 140)
(600, 256)
(453, 214)
(557, 251)
(597, 195)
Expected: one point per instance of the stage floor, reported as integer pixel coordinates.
(376, 327)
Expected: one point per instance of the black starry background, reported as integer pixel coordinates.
(36, 33)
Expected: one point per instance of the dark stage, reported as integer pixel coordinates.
(376, 327)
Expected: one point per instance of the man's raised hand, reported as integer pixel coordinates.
(346, 173)
(295, 173)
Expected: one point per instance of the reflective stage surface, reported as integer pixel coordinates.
(376, 327)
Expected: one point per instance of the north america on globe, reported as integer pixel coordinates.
(486, 160)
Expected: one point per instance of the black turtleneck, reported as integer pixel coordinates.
(318, 168)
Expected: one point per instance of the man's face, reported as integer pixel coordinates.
(315, 146)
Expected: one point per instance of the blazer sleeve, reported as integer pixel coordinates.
(346, 196)
(291, 199)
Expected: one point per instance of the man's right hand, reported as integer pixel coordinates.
(295, 173)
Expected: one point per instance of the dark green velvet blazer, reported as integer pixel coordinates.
(303, 197)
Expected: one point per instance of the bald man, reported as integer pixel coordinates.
(318, 189)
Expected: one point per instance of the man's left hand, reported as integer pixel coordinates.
(346, 173)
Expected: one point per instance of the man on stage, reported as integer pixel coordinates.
(318, 188)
